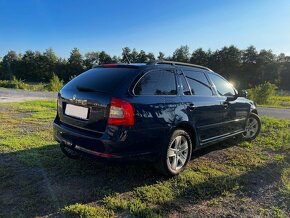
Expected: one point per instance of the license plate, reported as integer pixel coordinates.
(76, 111)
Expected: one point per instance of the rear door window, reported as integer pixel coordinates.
(196, 75)
(157, 82)
(198, 83)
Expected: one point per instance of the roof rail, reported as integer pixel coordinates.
(154, 62)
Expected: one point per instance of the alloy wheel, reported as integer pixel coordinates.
(252, 128)
(177, 153)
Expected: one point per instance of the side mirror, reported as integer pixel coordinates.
(232, 98)
(242, 93)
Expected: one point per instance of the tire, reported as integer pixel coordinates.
(69, 152)
(253, 127)
(175, 153)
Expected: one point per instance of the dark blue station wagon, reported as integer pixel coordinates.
(161, 110)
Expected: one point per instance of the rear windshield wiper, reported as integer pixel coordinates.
(86, 89)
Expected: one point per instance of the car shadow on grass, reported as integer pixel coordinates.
(215, 147)
(40, 181)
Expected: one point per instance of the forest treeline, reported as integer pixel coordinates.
(247, 67)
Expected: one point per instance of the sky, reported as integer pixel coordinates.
(110, 25)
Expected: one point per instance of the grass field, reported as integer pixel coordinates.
(228, 179)
(278, 101)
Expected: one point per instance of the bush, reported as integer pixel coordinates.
(262, 93)
(20, 84)
(55, 84)
(13, 84)
(6, 84)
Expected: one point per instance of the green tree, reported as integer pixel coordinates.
(44, 64)
(116, 59)
(250, 67)
(181, 54)
(285, 76)
(142, 57)
(230, 62)
(126, 55)
(50, 60)
(62, 70)
(200, 57)
(28, 67)
(91, 59)
(104, 58)
(134, 56)
(161, 56)
(267, 67)
(10, 63)
(75, 63)
(41, 67)
(249, 71)
(283, 63)
(150, 56)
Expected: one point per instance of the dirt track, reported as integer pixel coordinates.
(15, 95)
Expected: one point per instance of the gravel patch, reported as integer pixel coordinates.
(17, 95)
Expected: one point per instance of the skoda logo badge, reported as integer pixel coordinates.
(74, 97)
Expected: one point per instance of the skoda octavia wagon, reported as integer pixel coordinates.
(162, 110)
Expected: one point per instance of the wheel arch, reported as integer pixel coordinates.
(190, 130)
(254, 111)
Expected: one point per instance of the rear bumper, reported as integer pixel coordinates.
(105, 147)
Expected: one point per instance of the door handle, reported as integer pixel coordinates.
(191, 107)
(225, 104)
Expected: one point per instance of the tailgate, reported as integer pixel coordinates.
(84, 110)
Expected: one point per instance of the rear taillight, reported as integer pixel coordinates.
(121, 113)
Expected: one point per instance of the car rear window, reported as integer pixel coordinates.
(157, 82)
(100, 79)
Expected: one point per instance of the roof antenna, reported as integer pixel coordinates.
(126, 56)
